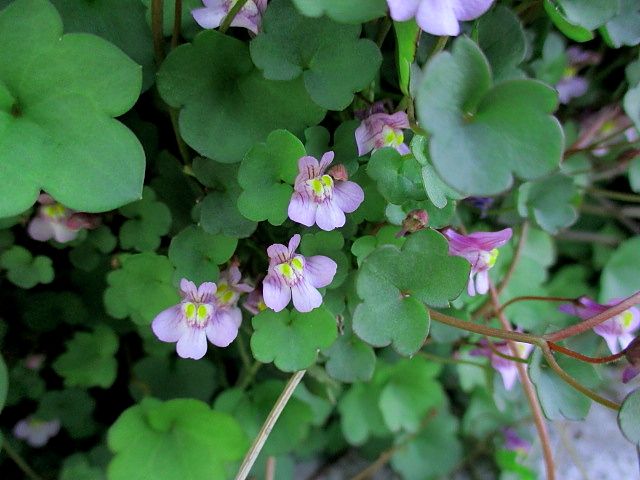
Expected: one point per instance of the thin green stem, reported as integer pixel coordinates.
(247, 377)
(440, 45)
(157, 17)
(226, 23)
(594, 321)
(452, 361)
(20, 462)
(252, 455)
(182, 147)
(624, 197)
(242, 350)
(546, 351)
(177, 22)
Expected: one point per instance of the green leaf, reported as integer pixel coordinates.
(329, 244)
(226, 106)
(470, 120)
(619, 278)
(24, 270)
(571, 30)
(25, 383)
(411, 391)
(360, 416)
(163, 378)
(394, 283)
(501, 38)
(88, 255)
(4, 382)
(551, 67)
(265, 176)
(628, 417)
(252, 408)
(73, 407)
(218, 211)
(331, 58)
(141, 289)
(180, 438)
(354, 11)
(397, 176)
(549, 202)
(58, 94)
(78, 467)
(89, 360)
(589, 15)
(197, 254)
(121, 22)
(149, 221)
(624, 28)
(407, 37)
(634, 174)
(434, 453)
(631, 104)
(558, 399)
(350, 360)
(291, 339)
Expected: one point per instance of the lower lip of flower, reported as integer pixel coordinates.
(320, 188)
(291, 271)
(196, 314)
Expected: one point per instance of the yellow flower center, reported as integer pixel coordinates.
(391, 137)
(197, 313)
(626, 317)
(55, 211)
(321, 187)
(292, 270)
(225, 294)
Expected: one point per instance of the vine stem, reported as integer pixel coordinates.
(20, 462)
(529, 392)
(594, 321)
(585, 358)
(157, 17)
(226, 23)
(252, 455)
(535, 297)
(177, 20)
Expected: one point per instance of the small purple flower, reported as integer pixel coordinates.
(573, 85)
(632, 354)
(438, 17)
(36, 432)
(294, 276)
(56, 221)
(214, 12)
(617, 331)
(321, 199)
(254, 303)
(196, 318)
(229, 291)
(379, 129)
(505, 367)
(481, 250)
(34, 361)
(514, 442)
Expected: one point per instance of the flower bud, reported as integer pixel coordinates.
(414, 221)
(338, 172)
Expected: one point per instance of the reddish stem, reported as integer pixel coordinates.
(584, 358)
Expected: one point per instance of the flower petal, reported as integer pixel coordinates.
(305, 296)
(206, 292)
(302, 209)
(168, 325)
(223, 329)
(365, 138)
(319, 270)
(308, 168)
(276, 294)
(348, 195)
(482, 282)
(329, 215)
(249, 20)
(402, 10)
(294, 243)
(509, 376)
(189, 289)
(40, 229)
(193, 344)
(470, 9)
(326, 160)
(62, 233)
(278, 253)
(209, 17)
(437, 17)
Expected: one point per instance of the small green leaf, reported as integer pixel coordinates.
(148, 221)
(58, 96)
(619, 278)
(437, 190)
(180, 438)
(628, 417)
(226, 106)
(89, 359)
(631, 104)
(197, 254)
(266, 175)
(141, 289)
(470, 120)
(549, 202)
(350, 360)
(360, 416)
(397, 176)
(73, 407)
(624, 28)
(354, 11)
(331, 58)
(558, 399)
(24, 270)
(407, 36)
(78, 467)
(571, 30)
(218, 211)
(395, 283)
(291, 339)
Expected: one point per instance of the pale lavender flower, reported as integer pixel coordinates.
(514, 442)
(506, 368)
(254, 303)
(229, 291)
(214, 12)
(321, 199)
(438, 17)
(617, 331)
(195, 319)
(379, 129)
(573, 85)
(56, 221)
(36, 432)
(481, 250)
(294, 276)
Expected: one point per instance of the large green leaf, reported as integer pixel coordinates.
(624, 28)
(550, 202)
(226, 106)
(395, 283)
(487, 132)
(331, 58)
(58, 94)
(353, 11)
(619, 277)
(180, 438)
